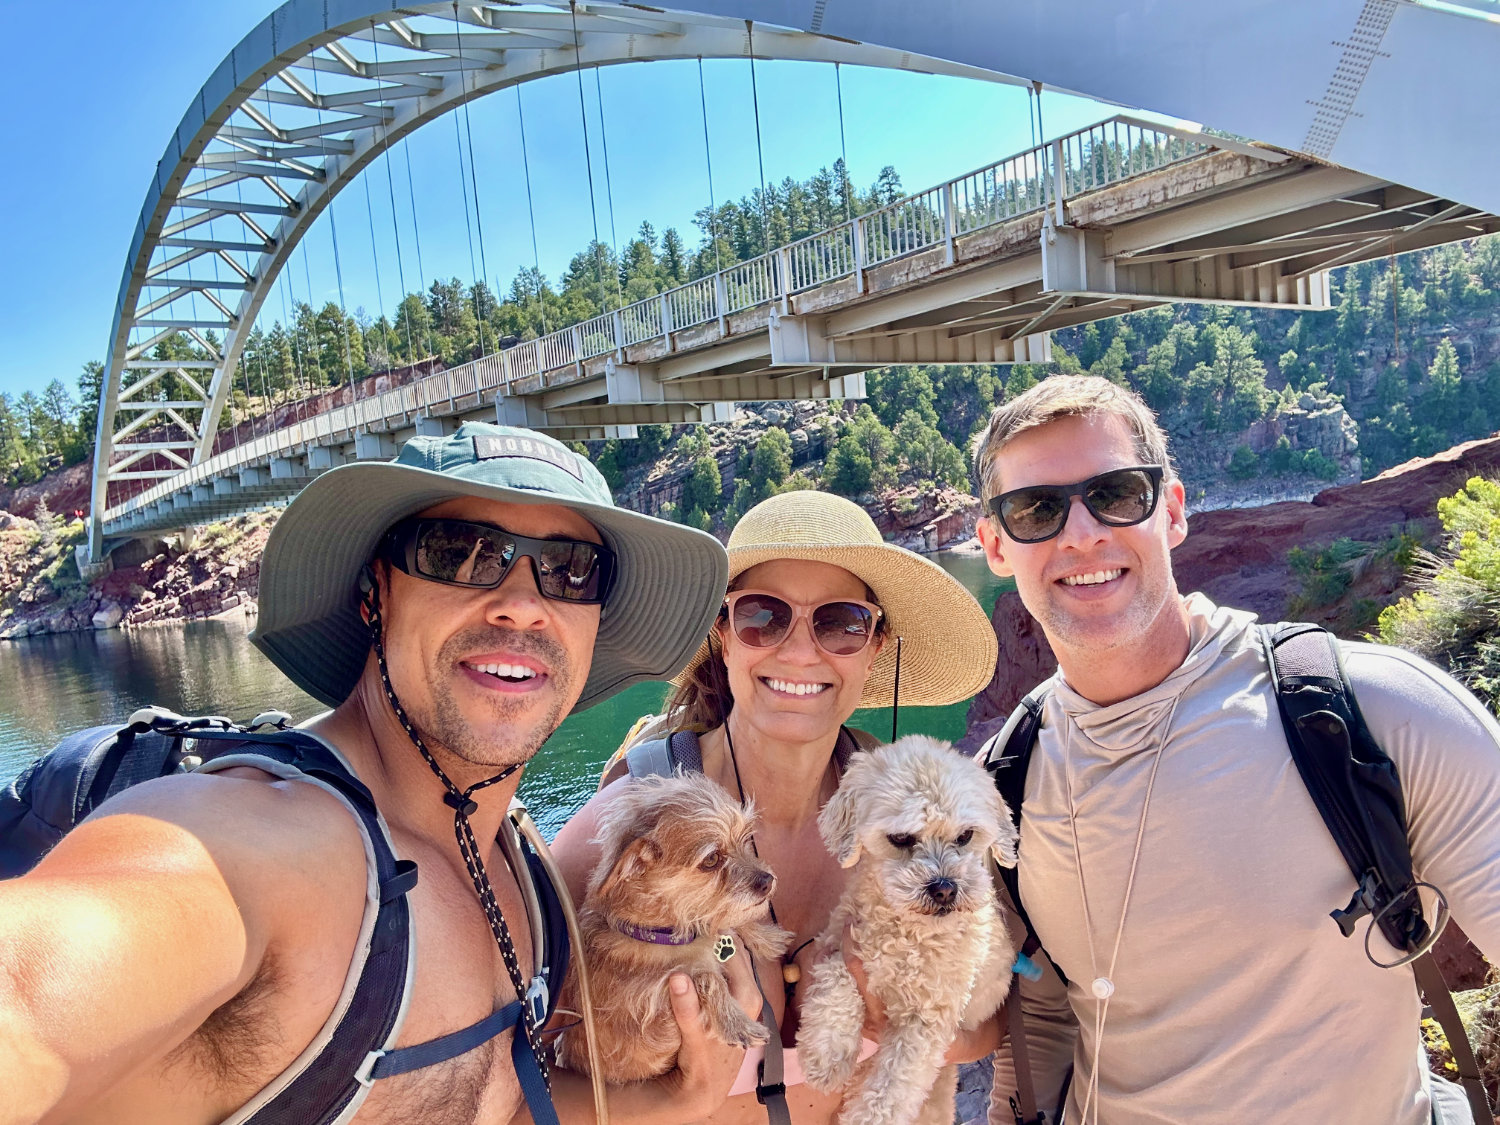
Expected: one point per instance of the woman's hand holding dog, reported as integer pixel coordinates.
(969, 1044)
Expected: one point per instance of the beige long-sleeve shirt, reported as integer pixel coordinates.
(1236, 997)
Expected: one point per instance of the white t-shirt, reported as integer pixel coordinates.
(1236, 997)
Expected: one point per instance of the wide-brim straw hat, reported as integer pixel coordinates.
(948, 646)
(669, 579)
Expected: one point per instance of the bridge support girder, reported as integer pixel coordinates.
(644, 414)
(630, 384)
(566, 432)
(804, 341)
(1076, 262)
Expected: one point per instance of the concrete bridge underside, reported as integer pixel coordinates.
(1244, 226)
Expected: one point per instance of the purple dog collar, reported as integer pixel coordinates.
(656, 935)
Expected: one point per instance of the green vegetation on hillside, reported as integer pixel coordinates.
(1454, 617)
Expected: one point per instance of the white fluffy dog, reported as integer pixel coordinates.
(916, 820)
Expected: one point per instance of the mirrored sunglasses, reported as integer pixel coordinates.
(840, 628)
(480, 555)
(1118, 498)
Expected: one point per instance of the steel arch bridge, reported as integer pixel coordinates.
(300, 107)
(322, 87)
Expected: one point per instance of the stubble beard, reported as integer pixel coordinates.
(1090, 636)
(517, 732)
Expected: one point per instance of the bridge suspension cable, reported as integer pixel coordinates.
(304, 390)
(463, 190)
(403, 312)
(588, 162)
(609, 195)
(416, 230)
(838, 85)
(708, 159)
(531, 212)
(760, 156)
(317, 346)
(338, 269)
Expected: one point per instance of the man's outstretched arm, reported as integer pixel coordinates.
(125, 938)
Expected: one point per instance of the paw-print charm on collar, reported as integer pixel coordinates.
(724, 947)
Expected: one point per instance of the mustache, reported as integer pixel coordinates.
(481, 638)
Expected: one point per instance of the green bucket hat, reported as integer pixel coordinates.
(668, 586)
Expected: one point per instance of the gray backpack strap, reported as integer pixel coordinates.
(652, 758)
(663, 757)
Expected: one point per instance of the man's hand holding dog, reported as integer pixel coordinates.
(706, 1067)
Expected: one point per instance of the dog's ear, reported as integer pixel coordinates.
(638, 855)
(1004, 849)
(839, 823)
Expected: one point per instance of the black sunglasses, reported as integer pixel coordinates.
(480, 555)
(1119, 498)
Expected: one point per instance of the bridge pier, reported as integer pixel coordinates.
(518, 410)
(283, 468)
(321, 458)
(225, 486)
(374, 447)
(252, 476)
(428, 426)
(632, 383)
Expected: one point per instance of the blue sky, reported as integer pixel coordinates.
(81, 151)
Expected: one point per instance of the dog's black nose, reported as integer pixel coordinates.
(762, 882)
(942, 891)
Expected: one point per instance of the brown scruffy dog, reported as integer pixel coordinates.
(678, 887)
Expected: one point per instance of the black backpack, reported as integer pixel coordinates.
(1355, 787)
(58, 790)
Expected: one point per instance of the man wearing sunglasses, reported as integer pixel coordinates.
(206, 943)
(1172, 862)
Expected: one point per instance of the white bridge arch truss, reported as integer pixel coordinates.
(296, 112)
(1402, 90)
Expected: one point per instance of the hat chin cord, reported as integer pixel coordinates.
(462, 803)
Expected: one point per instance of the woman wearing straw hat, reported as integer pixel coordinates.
(821, 617)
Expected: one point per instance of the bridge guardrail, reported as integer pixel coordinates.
(1088, 159)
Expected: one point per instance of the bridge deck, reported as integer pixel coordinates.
(1117, 217)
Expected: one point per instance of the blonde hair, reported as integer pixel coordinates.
(1067, 396)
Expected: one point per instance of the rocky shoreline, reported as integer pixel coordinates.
(213, 571)
(1236, 553)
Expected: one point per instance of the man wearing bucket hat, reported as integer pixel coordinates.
(822, 617)
(451, 607)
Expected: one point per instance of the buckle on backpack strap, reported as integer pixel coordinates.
(1362, 904)
(774, 1090)
(363, 1074)
(536, 1000)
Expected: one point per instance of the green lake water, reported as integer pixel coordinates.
(55, 684)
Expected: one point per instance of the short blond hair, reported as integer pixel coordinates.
(1067, 396)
